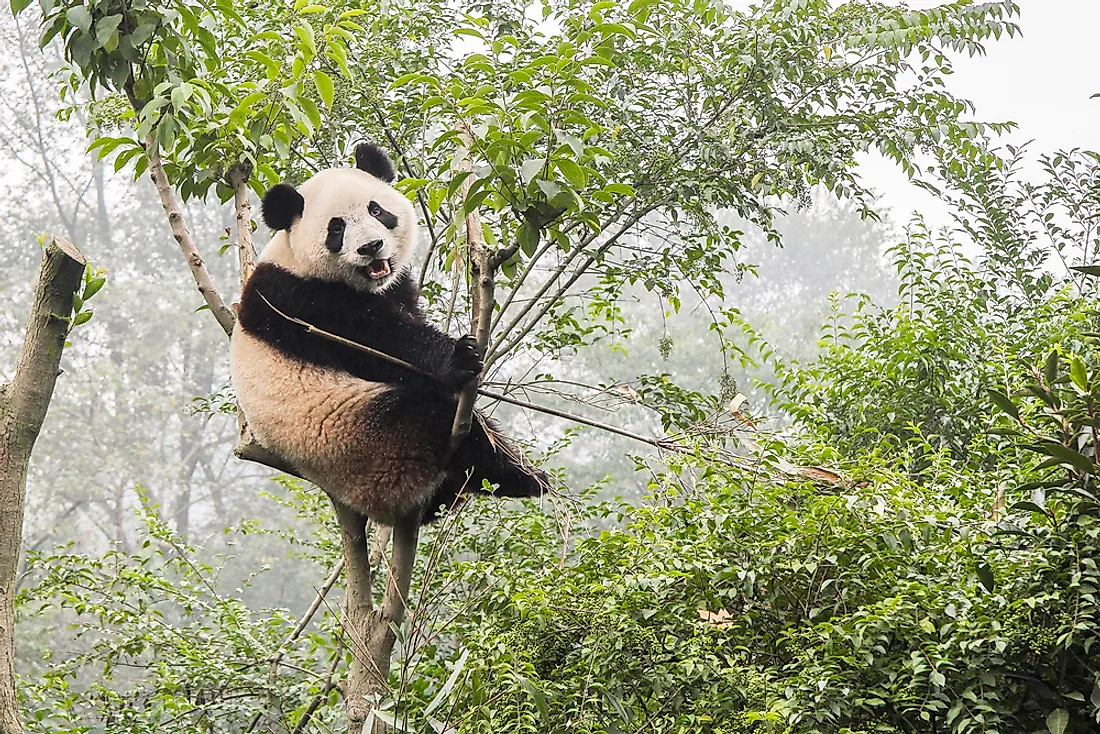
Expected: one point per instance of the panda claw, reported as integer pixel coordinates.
(466, 361)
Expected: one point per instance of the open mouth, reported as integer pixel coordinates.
(376, 270)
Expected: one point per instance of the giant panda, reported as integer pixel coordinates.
(371, 434)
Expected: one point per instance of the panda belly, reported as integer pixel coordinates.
(351, 437)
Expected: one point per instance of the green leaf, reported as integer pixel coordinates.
(323, 83)
(18, 6)
(573, 142)
(1003, 402)
(82, 318)
(1093, 270)
(80, 17)
(619, 188)
(455, 182)
(530, 168)
(1064, 455)
(106, 27)
(1057, 721)
(310, 108)
(1079, 373)
(985, 575)
(537, 695)
(1027, 506)
(305, 35)
(1050, 367)
(474, 201)
(573, 173)
(93, 287)
(528, 238)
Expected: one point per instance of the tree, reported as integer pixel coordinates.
(23, 405)
(539, 152)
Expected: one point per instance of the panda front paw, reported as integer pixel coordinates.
(465, 363)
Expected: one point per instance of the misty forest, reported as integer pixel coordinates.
(811, 463)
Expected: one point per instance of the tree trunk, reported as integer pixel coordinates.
(372, 630)
(23, 406)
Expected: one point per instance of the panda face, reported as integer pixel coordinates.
(344, 224)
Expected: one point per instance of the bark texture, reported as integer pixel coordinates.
(23, 406)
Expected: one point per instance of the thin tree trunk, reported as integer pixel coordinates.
(246, 253)
(23, 406)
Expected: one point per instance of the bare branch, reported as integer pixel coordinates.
(180, 231)
(527, 270)
(308, 616)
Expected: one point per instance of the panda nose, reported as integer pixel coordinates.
(371, 248)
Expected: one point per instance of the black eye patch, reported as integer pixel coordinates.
(335, 240)
(388, 219)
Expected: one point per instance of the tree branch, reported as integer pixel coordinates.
(182, 233)
(499, 349)
(482, 285)
(238, 177)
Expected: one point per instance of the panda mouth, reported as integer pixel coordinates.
(376, 269)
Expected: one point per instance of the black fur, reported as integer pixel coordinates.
(335, 239)
(387, 218)
(375, 161)
(420, 409)
(282, 204)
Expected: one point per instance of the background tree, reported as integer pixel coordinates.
(23, 405)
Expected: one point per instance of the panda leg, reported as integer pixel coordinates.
(486, 455)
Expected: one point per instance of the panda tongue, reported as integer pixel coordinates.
(379, 269)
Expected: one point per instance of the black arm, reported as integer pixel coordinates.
(390, 322)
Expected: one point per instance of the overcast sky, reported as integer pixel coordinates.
(1042, 81)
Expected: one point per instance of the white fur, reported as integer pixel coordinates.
(346, 193)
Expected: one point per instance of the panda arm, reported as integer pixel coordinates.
(383, 322)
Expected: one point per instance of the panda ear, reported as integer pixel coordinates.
(375, 161)
(282, 204)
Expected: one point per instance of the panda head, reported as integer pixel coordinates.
(344, 224)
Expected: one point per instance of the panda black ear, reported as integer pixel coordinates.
(375, 161)
(282, 204)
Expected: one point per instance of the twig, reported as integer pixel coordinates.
(349, 343)
(305, 620)
(655, 442)
(378, 544)
(500, 349)
(320, 697)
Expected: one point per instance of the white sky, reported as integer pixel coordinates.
(1042, 81)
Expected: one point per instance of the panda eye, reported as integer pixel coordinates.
(374, 209)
